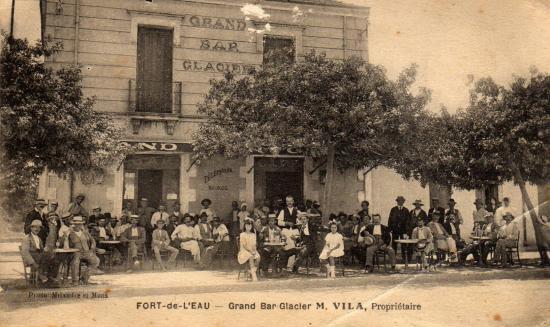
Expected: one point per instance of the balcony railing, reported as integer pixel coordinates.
(155, 98)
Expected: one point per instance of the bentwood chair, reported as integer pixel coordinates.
(511, 250)
(30, 274)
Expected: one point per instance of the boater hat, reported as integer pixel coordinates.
(419, 202)
(77, 220)
(206, 201)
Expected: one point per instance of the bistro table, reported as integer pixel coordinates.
(407, 243)
(65, 256)
(110, 245)
(275, 247)
(480, 246)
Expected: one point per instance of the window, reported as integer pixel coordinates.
(154, 70)
(278, 49)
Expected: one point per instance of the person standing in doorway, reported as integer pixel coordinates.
(288, 215)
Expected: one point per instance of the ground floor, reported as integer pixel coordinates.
(467, 297)
(167, 173)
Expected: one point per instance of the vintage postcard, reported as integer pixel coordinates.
(274, 163)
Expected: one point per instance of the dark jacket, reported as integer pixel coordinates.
(386, 236)
(447, 226)
(441, 214)
(421, 215)
(399, 221)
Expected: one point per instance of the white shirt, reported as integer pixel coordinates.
(219, 231)
(36, 241)
(158, 216)
(184, 231)
(102, 232)
(281, 216)
(453, 229)
(377, 230)
(134, 231)
(209, 214)
(288, 233)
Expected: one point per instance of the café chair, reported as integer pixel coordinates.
(30, 274)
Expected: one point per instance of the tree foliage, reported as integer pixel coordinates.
(310, 106)
(46, 122)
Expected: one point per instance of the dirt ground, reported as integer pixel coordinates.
(454, 300)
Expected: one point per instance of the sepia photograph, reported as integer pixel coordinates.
(274, 163)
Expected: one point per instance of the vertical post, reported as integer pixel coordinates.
(76, 29)
(12, 17)
(328, 183)
(131, 96)
(176, 100)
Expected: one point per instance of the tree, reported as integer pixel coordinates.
(503, 135)
(347, 112)
(46, 122)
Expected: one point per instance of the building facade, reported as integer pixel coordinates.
(149, 63)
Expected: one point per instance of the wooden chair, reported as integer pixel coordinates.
(511, 250)
(223, 253)
(141, 255)
(30, 274)
(376, 259)
(164, 254)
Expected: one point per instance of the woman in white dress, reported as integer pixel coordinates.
(247, 249)
(334, 248)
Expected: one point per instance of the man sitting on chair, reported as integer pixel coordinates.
(189, 238)
(506, 238)
(161, 242)
(425, 242)
(34, 254)
(134, 237)
(382, 242)
(270, 233)
(443, 240)
(220, 234)
(80, 239)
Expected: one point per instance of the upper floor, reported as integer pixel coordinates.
(150, 61)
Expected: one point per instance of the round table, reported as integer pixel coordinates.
(275, 247)
(65, 258)
(481, 238)
(407, 242)
(113, 242)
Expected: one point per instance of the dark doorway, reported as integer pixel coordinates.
(150, 186)
(281, 184)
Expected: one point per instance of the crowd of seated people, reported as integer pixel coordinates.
(278, 236)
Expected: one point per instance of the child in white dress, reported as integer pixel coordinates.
(248, 250)
(334, 248)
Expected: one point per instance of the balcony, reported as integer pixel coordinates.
(153, 101)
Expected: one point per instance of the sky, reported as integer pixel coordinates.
(450, 40)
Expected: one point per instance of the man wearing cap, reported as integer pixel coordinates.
(480, 213)
(33, 252)
(37, 214)
(134, 238)
(438, 208)
(507, 236)
(382, 242)
(288, 214)
(80, 239)
(503, 210)
(75, 207)
(206, 203)
(160, 214)
(452, 212)
(161, 242)
(418, 212)
(189, 238)
(399, 223)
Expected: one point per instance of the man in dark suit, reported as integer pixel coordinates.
(400, 226)
(36, 254)
(37, 214)
(308, 237)
(418, 212)
(452, 226)
(382, 242)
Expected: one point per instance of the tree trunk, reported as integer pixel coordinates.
(530, 208)
(327, 196)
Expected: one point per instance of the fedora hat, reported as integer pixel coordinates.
(39, 202)
(400, 198)
(36, 222)
(419, 202)
(451, 200)
(206, 201)
(369, 240)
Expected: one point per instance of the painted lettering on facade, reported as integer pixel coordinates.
(216, 23)
(216, 67)
(218, 172)
(215, 45)
(159, 146)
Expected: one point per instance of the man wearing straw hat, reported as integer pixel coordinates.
(80, 239)
(161, 242)
(507, 237)
(418, 212)
(480, 213)
(382, 242)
